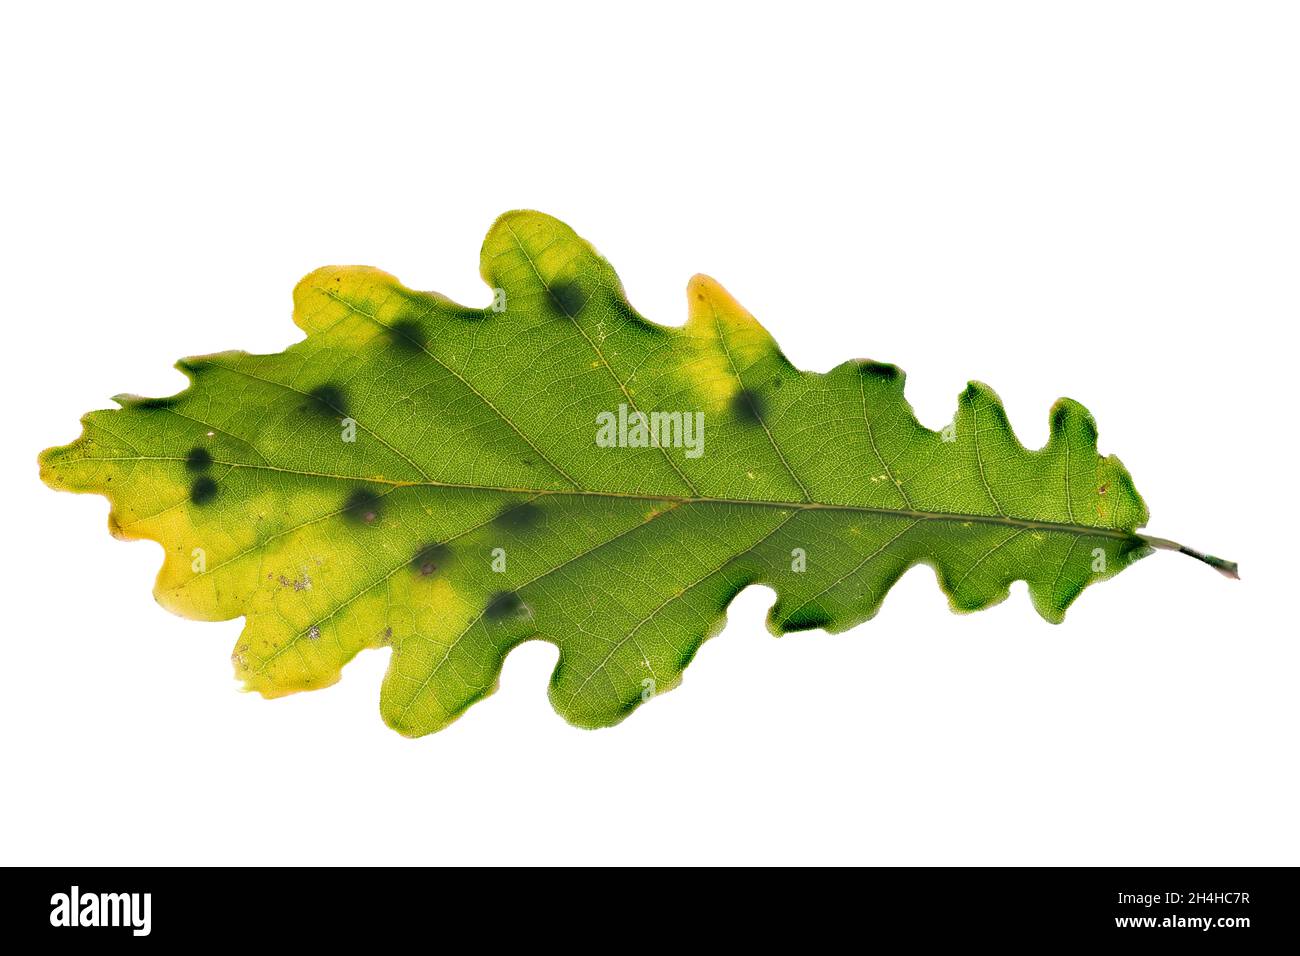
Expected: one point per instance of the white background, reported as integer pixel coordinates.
(1095, 200)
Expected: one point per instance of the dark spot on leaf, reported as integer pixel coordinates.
(430, 559)
(407, 335)
(149, 404)
(520, 517)
(203, 490)
(748, 406)
(568, 297)
(198, 459)
(362, 506)
(503, 604)
(1058, 419)
(879, 370)
(807, 619)
(328, 400)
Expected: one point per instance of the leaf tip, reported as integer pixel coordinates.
(701, 286)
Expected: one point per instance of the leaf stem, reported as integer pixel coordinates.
(1227, 568)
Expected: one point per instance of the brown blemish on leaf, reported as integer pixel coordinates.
(300, 583)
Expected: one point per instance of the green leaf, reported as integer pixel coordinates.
(451, 482)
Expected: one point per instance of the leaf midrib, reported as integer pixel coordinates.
(1004, 521)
